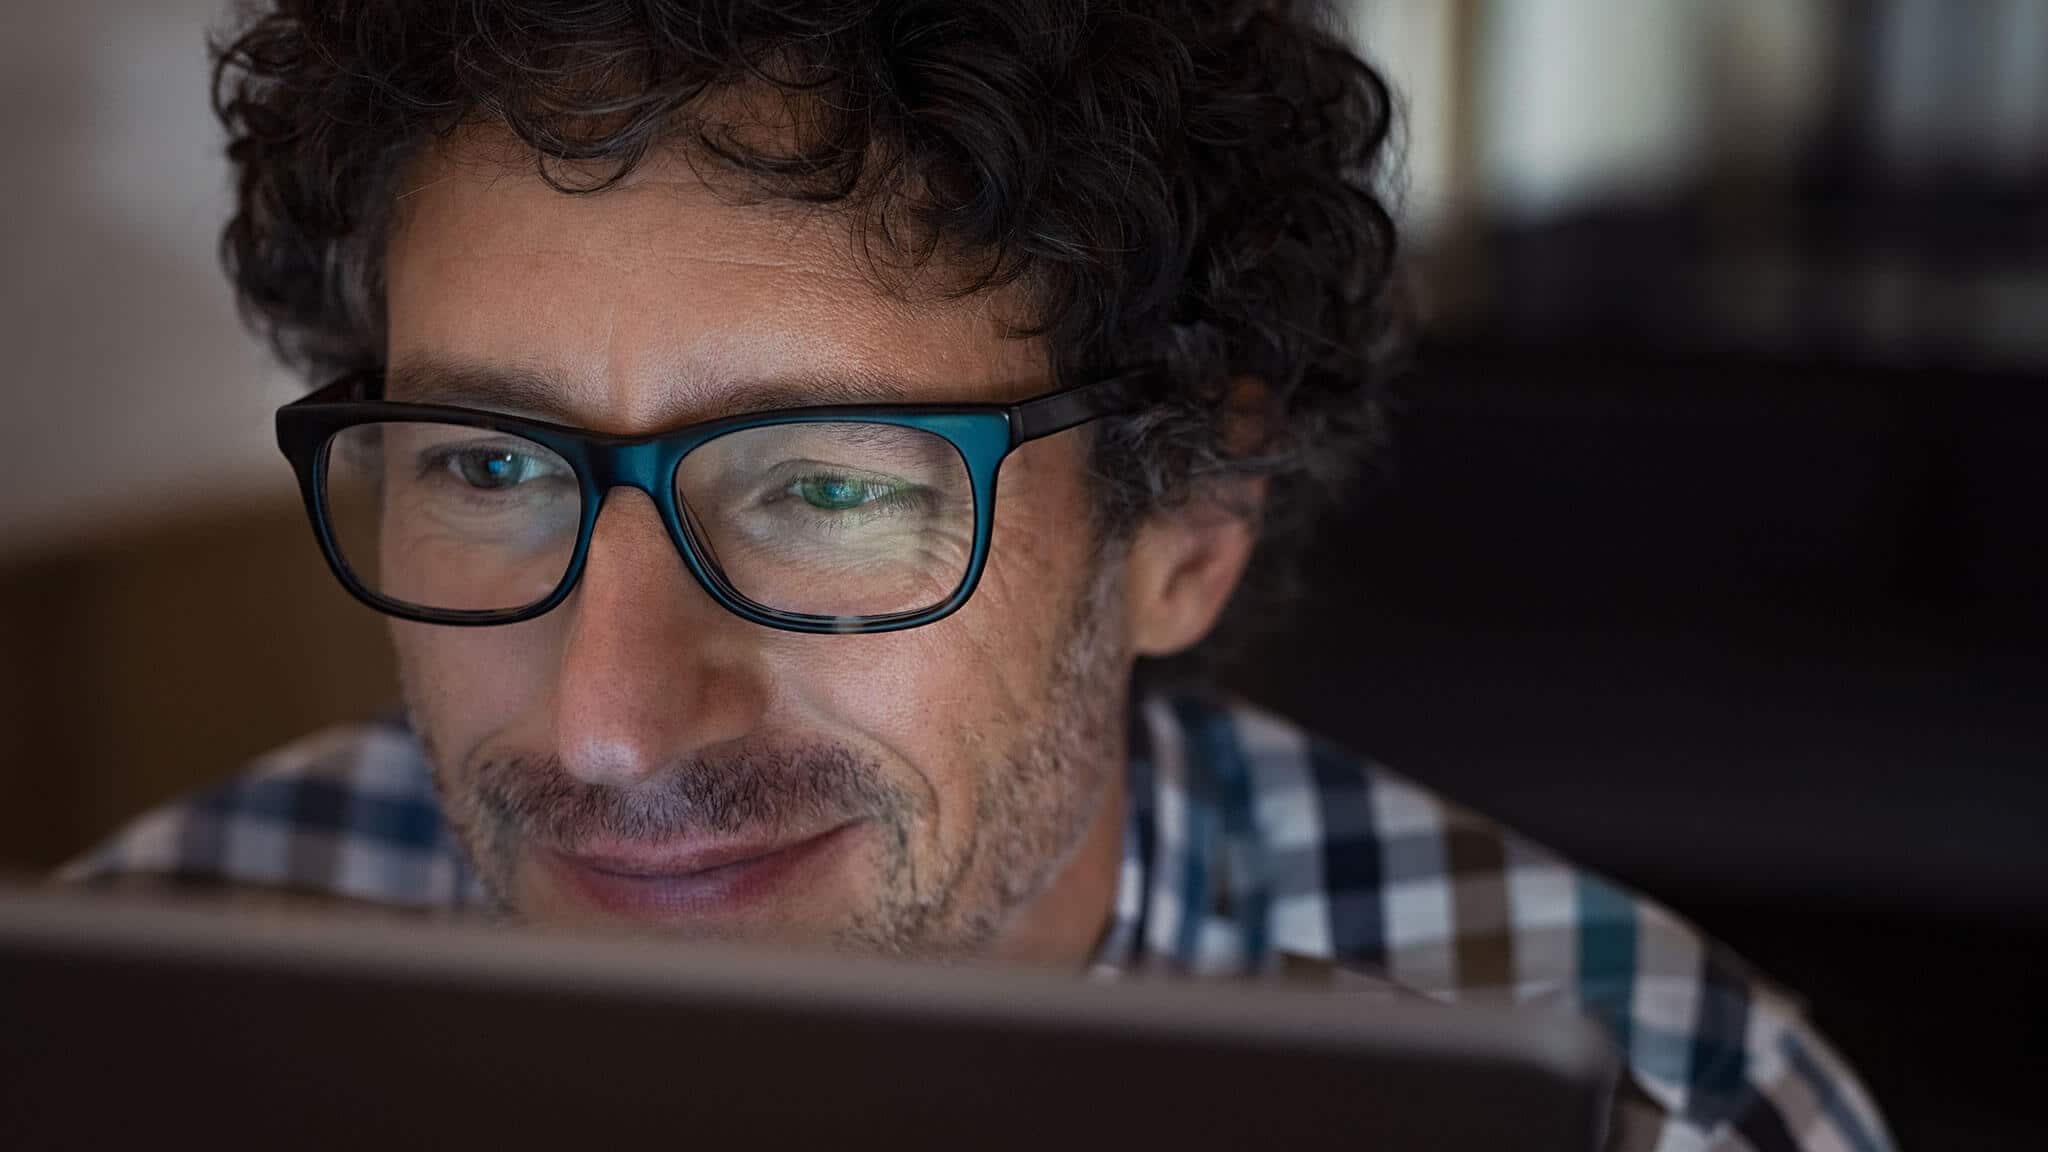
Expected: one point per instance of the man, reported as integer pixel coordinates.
(672, 356)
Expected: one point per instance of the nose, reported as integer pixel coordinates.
(652, 670)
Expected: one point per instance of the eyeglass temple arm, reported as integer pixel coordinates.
(1076, 406)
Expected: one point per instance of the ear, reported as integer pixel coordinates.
(1184, 562)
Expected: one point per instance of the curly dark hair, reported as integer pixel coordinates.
(1183, 182)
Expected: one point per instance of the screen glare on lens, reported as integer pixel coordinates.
(846, 519)
(449, 517)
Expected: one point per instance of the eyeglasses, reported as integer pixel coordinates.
(825, 519)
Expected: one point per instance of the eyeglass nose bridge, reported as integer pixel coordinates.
(649, 467)
(645, 465)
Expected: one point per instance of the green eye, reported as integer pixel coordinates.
(839, 493)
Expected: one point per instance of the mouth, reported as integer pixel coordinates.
(693, 880)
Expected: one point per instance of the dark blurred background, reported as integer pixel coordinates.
(1712, 549)
(1709, 553)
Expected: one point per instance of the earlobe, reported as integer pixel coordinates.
(1183, 565)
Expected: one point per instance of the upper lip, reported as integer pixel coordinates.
(668, 860)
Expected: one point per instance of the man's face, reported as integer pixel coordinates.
(641, 755)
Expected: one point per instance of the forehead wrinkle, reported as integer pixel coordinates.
(524, 390)
(652, 307)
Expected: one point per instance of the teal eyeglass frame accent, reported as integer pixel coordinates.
(983, 435)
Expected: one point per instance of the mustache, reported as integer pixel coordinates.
(801, 788)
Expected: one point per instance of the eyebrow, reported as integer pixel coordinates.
(537, 395)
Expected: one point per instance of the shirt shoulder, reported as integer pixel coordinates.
(348, 812)
(1268, 847)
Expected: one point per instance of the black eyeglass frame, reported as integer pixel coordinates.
(983, 434)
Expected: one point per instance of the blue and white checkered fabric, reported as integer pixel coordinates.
(1252, 849)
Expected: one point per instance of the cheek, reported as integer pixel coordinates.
(947, 695)
(467, 684)
(912, 692)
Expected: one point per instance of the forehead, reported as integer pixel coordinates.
(663, 300)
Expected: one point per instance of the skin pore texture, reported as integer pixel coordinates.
(641, 757)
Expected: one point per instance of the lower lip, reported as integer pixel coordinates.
(725, 889)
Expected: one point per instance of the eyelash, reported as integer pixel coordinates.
(443, 458)
(902, 497)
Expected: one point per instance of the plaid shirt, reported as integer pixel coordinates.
(1251, 849)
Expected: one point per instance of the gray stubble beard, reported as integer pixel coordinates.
(1035, 805)
(1037, 801)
